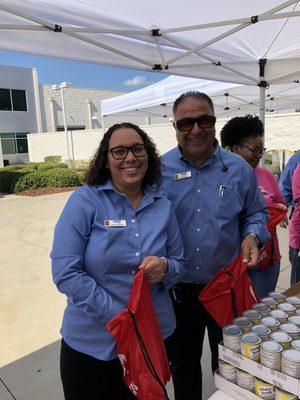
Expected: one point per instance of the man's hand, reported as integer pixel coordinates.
(155, 268)
(250, 251)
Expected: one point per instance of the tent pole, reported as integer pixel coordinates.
(262, 97)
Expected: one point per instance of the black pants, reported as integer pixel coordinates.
(192, 320)
(87, 378)
(295, 263)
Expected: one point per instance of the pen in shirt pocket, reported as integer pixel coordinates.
(222, 190)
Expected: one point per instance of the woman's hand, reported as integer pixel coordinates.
(155, 268)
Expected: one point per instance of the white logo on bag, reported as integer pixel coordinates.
(123, 361)
(133, 388)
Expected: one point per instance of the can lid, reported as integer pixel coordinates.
(276, 295)
(261, 307)
(251, 314)
(270, 321)
(286, 306)
(296, 344)
(242, 321)
(269, 301)
(279, 314)
(295, 319)
(293, 300)
(251, 338)
(232, 330)
(272, 347)
(261, 329)
(291, 355)
(281, 337)
(244, 373)
(289, 328)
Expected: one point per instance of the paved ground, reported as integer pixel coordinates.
(31, 307)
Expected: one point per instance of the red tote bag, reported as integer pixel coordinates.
(140, 346)
(229, 293)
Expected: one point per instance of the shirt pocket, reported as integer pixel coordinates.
(227, 200)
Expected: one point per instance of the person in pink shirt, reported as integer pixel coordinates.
(243, 136)
(294, 229)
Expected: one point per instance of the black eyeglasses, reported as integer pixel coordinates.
(255, 152)
(204, 122)
(120, 153)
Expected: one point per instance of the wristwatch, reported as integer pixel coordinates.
(255, 238)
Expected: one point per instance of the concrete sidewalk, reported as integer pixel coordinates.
(30, 306)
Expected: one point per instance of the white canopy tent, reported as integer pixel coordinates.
(251, 43)
(229, 99)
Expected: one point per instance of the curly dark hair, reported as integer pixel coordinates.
(197, 95)
(98, 173)
(238, 129)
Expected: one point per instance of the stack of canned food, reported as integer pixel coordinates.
(268, 334)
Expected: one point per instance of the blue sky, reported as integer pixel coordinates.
(54, 70)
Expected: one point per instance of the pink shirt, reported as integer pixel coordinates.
(270, 190)
(294, 226)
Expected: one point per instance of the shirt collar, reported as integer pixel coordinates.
(150, 191)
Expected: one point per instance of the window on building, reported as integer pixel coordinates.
(14, 143)
(13, 100)
(61, 128)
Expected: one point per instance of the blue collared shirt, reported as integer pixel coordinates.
(285, 182)
(94, 261)
(215, 209)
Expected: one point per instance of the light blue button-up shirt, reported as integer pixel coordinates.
(94, 260)
(285, 183)
(215, 209)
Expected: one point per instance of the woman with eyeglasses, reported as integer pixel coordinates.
(110, 228)
(244, 136)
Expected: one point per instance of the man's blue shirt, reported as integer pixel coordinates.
(94, 260)
(285, 183)
(215, 209)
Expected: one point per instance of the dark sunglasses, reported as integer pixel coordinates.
(120, 153)
(204, 122)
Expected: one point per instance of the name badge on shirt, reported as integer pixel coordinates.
(115, 223)
(182, 175)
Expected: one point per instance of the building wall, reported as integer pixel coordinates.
(282, 132)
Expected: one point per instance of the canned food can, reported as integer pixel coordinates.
(262, 308)
(290, 363)
(281, 315)
(271, 323)
(297, 311)
(270, 354)
(228, 371)
(269, 301)
(283, 395)
(291, 329)
(295, 300)
(294, 319)
(264, 390)
(278, 296)
(262, 331)
(232, 337)
(245, 380)
(287, 307)
(295, 344)
(250, 346)
(253, 315)
(243, 323)
(283, 338)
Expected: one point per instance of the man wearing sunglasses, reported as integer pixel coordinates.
(220, 212)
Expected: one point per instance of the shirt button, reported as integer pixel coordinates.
(136, 235)
(132, 272)
(133, 220)
(197, 267)
(198, 190)
(198, 230)
(137, 254)
(198, 209)
(197, 249)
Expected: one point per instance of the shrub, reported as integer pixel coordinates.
(33, 180)
(60, 177)
(54, 159)
(80, 165)
(50, 165)
(9, 178)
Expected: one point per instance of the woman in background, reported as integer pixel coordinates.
(244, 136)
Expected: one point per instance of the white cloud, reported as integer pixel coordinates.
(135, 81)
